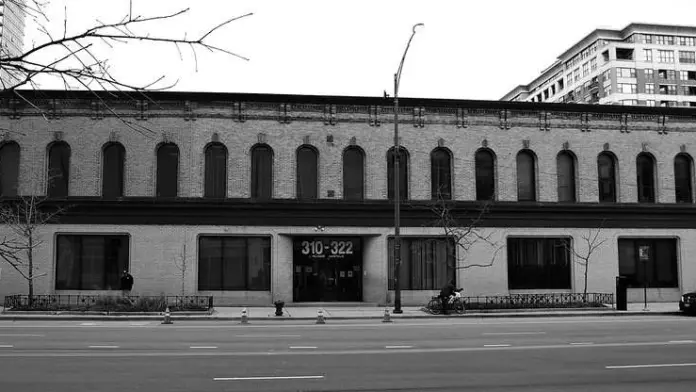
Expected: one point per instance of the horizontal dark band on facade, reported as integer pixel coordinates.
(368, 213)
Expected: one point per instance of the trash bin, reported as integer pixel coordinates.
(621, 296)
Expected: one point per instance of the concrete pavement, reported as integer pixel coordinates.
(348, 313)
(636, 353)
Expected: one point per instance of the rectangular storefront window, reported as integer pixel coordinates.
(234, 263)
(538, 263)
(649, 260)
(426, 263)
(91, 262)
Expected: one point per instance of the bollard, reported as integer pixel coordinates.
(387, 316)
(320, 317)
(167, 317)
(245, 317)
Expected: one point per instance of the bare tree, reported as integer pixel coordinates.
(79, 59)
(24, 220)
(182, 265)
(464, 228)
(592, 242)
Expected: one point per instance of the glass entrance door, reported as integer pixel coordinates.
(327, 269)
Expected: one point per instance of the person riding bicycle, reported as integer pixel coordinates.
(446, 293)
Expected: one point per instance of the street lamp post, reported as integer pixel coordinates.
(397, 195)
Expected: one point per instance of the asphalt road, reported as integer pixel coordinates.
(555, 354)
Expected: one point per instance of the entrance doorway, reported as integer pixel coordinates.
(327, 269)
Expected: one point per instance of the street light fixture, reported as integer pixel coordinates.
(397, 196)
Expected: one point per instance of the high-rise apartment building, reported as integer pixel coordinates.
(643, 64)
(12, 17)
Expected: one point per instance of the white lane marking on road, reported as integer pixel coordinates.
(651, 366)
(389, 347)
(267, 378)
(514, 333)
(88, 324)
(139, 324)
(267, 336)
(303, 347)
(6, 346)
(496, 345)
(203, 347)
(581, 343)
(103, 346)
(22, 335)
(681, 341)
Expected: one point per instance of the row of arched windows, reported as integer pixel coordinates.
(307, 180)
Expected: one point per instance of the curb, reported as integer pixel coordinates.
(6, 317)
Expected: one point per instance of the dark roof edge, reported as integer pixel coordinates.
(342, 100)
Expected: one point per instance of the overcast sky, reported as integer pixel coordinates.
(467, 49)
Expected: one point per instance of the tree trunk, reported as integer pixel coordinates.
(30, 258)
(584, 291)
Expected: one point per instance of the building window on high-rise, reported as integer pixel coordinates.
(683, 178)
(624, 54)
(668, 104)
(569, 78)
(650, 88)
(665, 56)
(650, 102)
(307, 168)
(167, 170)
(606, 176)
(649, 73)
(526, 176)
(689, 90)
(648, 38)
(560, 85)
(629, 102)
(576, 74)
(668, 89)
(605, 56)
(215, 171)
(441, 174)
(664, 39)
(627, 73)
(607, 75)
(593, 64)
(645, 171)
(668, 74)
(585, 69)
(687, 41)
(647, 53)
(353, 173)
(687, 57)
(628, 88)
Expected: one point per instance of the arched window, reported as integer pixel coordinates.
(307, 173)
(9, 169)
(114, 157)
(441, 174)
(526, 176)
(565, 170)
(645, 170)
(485, 174)
(58, 169)
(262, 172)
(215, 171)
(353, 173)
(167, 170)
(683, 178)
(403, 173)
(606, 176)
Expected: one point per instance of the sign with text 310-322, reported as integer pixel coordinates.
(327, 248)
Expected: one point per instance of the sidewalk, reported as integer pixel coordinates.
(348, 313)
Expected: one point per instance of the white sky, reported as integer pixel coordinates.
(467, 49)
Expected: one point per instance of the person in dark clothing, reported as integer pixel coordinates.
(126, 282)
(447, 291)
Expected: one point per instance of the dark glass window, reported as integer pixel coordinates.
(606, 175)
(403, 174)
(565, 168)
(645, 170)
(426, 263)
(307, 173)
(538, 263)
(91, 262)
(526, 176)
(9, 169)
(649, 261)
(234, 263)
(112, 170)
(683, 178)
(485, 175)
(215, 171)
(441, 174)
(58, 169)
(168, 170)
(353, 173)
(262, 172)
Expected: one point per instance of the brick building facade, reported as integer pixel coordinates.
(267, 197)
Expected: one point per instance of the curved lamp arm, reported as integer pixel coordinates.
(401, 64)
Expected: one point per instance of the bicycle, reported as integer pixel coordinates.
(455, 303)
